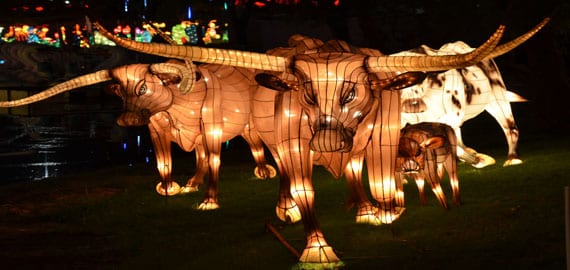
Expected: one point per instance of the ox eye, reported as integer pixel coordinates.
(142, 90)
(349, 97)
(419, 152)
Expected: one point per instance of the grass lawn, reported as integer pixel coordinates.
(111, 218)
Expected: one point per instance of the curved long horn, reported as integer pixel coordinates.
(188, 76)
(85, 80)
(506, 47)
(205, 55)
(435, 63)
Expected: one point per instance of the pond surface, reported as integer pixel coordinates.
(40, 147)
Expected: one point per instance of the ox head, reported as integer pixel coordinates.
(412, 152)
(145, 89)
(336, 92)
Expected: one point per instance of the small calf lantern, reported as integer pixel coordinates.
(425, 149)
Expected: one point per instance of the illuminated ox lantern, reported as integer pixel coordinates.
(342, 112)
(457, 95)
(425, 149)
(161, 96)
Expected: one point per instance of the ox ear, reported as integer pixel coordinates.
(400, 81)
(273, 82)
(113, 89)
(433, 142)
(174, 78)
(169, 78)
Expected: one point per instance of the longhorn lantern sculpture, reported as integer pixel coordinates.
(335, 116)
(457, 95)
(344, 110)
(196, 114)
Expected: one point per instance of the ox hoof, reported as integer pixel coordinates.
(371, 219)
(512, 161)
(367, 215)
(389, 216)
(264, 173)
(188, 189)
(289, 215)
(172, 189)
(319, 257)
(208, 204)
(329, 265)
(483, 161)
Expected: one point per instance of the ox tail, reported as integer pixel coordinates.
(81, 81)
(514, 97)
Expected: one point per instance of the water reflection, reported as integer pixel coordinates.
(43, 146)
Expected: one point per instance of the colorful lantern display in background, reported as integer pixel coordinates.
(185, 33)
(341, 111)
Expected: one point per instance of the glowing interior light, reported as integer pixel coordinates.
(357, 114)
(288, 113)
(189, 14)
(216, 133)
(216, 160)
(138, 140)
(399, 196)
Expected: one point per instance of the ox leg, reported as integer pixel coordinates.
(286, 209)
(450, 165)
(262, 170)
(213, 150)
(400, 181)
(432, 176)
(463, 152)
(419, 178)
(365, 212)
(469, 155)
(381, 156)
(163, 154)
(201, 170)
(297, 160)
(504, 116)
